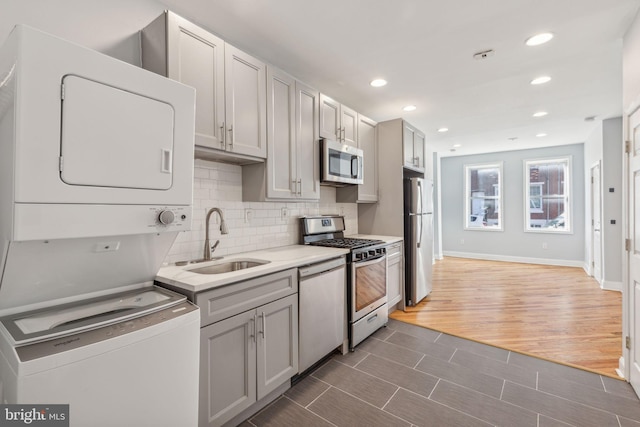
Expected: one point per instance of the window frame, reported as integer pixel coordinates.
(467, 196)
(567, 197)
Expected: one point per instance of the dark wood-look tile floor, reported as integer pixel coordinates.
(407, 375)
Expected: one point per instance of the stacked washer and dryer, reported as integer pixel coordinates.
(96, 172)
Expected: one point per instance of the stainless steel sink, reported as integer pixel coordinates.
(229, 266)
(196, 261)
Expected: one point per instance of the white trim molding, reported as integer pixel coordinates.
(524, 260)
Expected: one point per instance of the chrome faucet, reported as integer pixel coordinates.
(223, 229)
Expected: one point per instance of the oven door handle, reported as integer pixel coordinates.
(369, 261)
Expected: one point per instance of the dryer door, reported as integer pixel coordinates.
(114, 138)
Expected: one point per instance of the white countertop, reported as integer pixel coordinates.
(280, 258)
(386, 239)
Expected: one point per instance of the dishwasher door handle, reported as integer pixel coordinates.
(311, 276)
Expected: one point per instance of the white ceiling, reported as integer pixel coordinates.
(425, 48)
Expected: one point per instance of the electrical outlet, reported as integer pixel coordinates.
(342, 210)
(544, 245)
(284, 214)
(248, 215)
(462, 241)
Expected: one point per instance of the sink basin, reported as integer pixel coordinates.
(196, 261)
(229, 266)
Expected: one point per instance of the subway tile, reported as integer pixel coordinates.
(473, 347)
(391, 352)
(399, 375)
(599, 399)
(424, 412)
(344, 410)
(306, 391)
(560, 409)
(286, 413)
(461, 375)
(496, 368)
(420, 345)
(371, 389)
(481, 406)
(556, 369)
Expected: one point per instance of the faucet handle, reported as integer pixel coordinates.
(215, 245)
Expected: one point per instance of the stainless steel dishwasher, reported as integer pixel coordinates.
(322, 291)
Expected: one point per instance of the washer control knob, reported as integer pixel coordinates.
(166, 217)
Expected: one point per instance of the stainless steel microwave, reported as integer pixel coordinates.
(341, 164)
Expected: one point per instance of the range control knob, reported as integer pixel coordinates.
(166, 217)
(372, 253)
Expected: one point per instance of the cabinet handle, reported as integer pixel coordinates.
(264, 327)
(231, 136)
(255, 322)
(344, 134)
(299, 186)
(222, 135)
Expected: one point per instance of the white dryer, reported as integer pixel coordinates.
(103, 356)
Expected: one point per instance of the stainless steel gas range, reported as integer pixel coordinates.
(367, 273)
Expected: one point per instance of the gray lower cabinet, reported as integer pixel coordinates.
(395, 276)
(246, 356)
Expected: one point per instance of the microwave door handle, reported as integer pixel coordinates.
(354, 166)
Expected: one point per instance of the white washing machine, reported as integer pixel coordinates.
(102, 357)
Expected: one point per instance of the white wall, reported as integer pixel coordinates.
(512, 244)
(604, 145)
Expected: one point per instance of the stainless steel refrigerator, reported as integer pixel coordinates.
(418, 238)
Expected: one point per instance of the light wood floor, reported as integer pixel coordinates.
(558, 313)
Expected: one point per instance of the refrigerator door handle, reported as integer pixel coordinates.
(419, 221)
(420, 196)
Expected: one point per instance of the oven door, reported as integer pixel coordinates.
(369, 286)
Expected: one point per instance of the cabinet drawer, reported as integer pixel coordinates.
(394, 253)
(227, 301)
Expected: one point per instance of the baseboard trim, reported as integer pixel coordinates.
(524, 260)
(611, 286)
(621, 369)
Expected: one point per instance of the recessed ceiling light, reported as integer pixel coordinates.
(589, 119)
(457, 145)
(378, 82)
(443, 130)
(540, 80)
(539, 39)
(410, 108)
(541, 135)
(540, 114)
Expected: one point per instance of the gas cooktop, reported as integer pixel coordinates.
(346, 243)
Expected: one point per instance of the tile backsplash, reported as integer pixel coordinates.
(220, 185)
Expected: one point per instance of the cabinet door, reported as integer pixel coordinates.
(418, 149)
(349, 126)
(277, 350)
(368, 192)
(282, 175)
(227, 368)
(394, 274)
(329, 118)
(408, 133)
(245, 107)
(308, 143)
(196, 58)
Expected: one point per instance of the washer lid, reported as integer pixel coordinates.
(41, 325)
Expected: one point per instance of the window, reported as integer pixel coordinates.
(547, 185)
(483, 197)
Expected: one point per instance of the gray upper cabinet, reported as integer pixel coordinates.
(292, 169)
(367, 192)
(338, 122)
(413, 147)
(230, 87)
